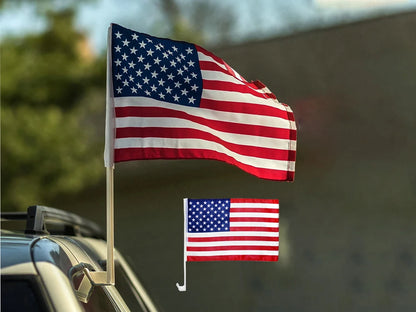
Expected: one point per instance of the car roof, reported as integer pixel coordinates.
(15, 248)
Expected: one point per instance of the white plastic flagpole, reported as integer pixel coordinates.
(110, 226)
(185, 222)
(109, 164)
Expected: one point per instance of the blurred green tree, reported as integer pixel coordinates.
(50, 81)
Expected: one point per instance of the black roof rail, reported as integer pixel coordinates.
(37, 217)
(58, 221)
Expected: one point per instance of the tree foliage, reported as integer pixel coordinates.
(47, 144)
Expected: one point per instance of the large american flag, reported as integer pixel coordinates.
(232, 229)
(174, 99)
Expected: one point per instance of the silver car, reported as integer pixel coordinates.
(43, 266)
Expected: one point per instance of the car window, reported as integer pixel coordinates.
(21, 294)
(127, 290)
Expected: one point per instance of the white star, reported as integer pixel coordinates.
(154, 74)
(194, 87)
(170, 76)
(184, 92)
(191, 64)
(125, 82)
(147, 66)
(146, 80)
(125, 42)
(148, 92)
(119, 90)
(176, 98)
(150, 52)
(168, 90)
(118, 34)
(131, 78)
(139, 72)
(124, 56)
(191, 100)
(189, 50)
(125, 70)
(133, 90)
(118, 76)
(177, 84)
(161, 95)
(157, 61)
(133, 50)
(161, 82)
(165, 55)
(140, 58)
(142, 44)
(187, 79)
(153, 87)
(118, 49)
(134, 36)
(172, 63)
(139, 85)
(118, 62)
(175, 49)
(131, 64)
(163, 69)
(180, 71)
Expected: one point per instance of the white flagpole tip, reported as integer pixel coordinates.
(181, 287)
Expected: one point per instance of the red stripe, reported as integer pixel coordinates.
(265, 210)
(246, 108)
(181, 133)
(232, 258)
(250, 219)
(127, 154)
(216, 248)
(234, 238)
(251, 200)
(254, 228)
(256, 130)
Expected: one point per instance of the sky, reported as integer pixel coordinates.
(255, 19)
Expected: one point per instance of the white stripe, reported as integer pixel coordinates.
(213, 75)
(253, 215)
(242, 139)
(234, 233)
(232, 243)
(254, 224)
(254, 205)
(260, 120)
(234, 252)
(201, 144)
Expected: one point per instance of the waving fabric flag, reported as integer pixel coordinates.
(169, 99)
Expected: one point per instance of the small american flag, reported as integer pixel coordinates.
(232, 229)
(170, 99)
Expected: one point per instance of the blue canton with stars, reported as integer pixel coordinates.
(161, 69)
(208, 215)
